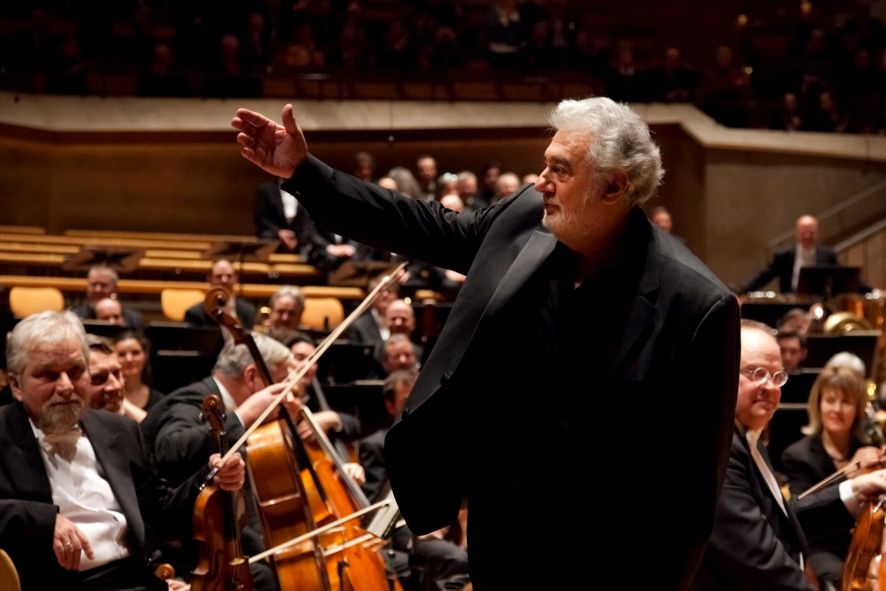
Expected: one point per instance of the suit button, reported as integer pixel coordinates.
(445, 378)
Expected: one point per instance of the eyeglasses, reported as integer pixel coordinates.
(761, 375)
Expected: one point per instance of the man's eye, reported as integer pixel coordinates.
(99, 378)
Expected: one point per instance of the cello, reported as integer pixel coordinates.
(293, 500)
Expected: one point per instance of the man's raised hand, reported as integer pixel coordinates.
(275, 148)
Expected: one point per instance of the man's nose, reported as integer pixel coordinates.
(65, 386)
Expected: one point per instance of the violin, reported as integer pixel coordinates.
(219, 517)
(867, 538)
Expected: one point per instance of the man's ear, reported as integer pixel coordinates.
(616, 187)
(16, 388)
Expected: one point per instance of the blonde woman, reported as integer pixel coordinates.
(836, 437)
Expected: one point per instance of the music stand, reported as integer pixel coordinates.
(358, 273)
(828, 280)
(121, 259)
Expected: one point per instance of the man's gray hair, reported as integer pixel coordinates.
(290, 291)
(45, 330)
(619, 140)
(234, 359)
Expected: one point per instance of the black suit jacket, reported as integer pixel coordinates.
(372, 458)
(270, 217)
(197, 315)
(806, 463)
(782, 266)
(365, 330)
(754, 544)
(175, 433)
(27, 514)
(675, 348)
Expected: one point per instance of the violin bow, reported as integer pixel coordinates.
(291, 381)
(830, 479)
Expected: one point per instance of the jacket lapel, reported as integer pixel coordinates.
(33, 482)
(642, 311)
(537, 249)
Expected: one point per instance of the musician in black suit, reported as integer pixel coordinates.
(79, 501)
(222, 274)
(278, 216)
(786, 263)
(758, 541)
(179, 439)
(574, 306)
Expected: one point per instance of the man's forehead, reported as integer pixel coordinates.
(99, 360)
(55, 355)
(567, 144)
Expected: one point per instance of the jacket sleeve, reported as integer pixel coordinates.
(387, 220)
(743, 546)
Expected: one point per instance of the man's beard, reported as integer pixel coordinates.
(60, 415)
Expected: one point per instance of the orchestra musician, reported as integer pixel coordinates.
(80, 505)
(758, 541)
(836, 437)
(573, 307)
(179, 438)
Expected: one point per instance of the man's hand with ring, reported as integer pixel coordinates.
(68, 542)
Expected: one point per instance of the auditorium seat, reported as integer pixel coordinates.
(322, 314)
(175, 302)
(24, 301)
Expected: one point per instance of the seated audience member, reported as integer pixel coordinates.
(278, 216)
(80, 505)
(757, 540)
(438, 562)
(364, 166)
(837, 436)
(793, 350)
(426, 167)
(661, 217)
(505, 185)
(786, 263)
(399, 353)
(134, 353)
(370, 328)
(796, 320)
(101, 283)
(180, 441)
(344, 426)
(405, 182)
(287, 304)
(110, 310)
(106, 381)
(400, 318)
(468, 191)
(222, 274)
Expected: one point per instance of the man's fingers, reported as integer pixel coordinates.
(84, 543)
(247, 117)
(289, 120)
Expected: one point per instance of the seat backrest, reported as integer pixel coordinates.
(8, 574)
(175, 302)
(322, 313)
(24, 301)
